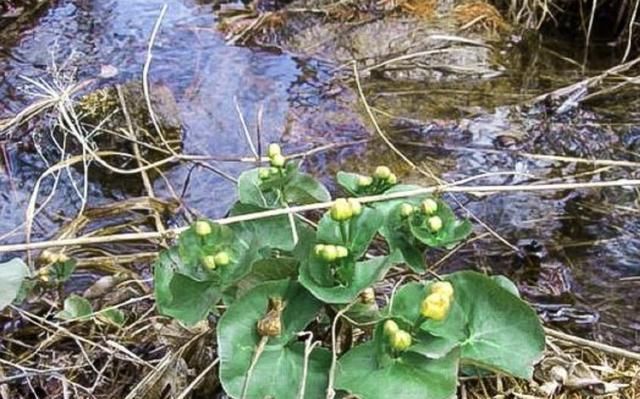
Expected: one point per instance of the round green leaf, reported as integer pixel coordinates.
(278, 371)
(361, 229)
(75, 307)
(315, 277)
(410, 376)
(305, 189)
(180, 296)
(503, 332)
(12, 274)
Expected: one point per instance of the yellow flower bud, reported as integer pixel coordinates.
(329, 253)
(277, 161)
(318, 249)
(406, 210)
(222, 258)
(400, 341)
(341, 252)
(264, 173)
(356, 206)
(392, 179)
(429, 206)
(435, 306)
(390, 328)
(203, 228)
(434, 223)
(273, 171)
(443, 287)
(382, 172)
(341, 210)
(209, 262)
(273, 150)
(364, 181)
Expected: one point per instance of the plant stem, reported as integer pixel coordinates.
(254, 361)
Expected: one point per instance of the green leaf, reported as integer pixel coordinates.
(504, 333)
(180, 296)
(349, 182)
(250, 191)
(315, 277)
(305, 189)
(507, 284)
(263, 270)
(62, 271)
(410, 376)
(112, 316)
(278, 371)
(402, 244)
(273, 232)
(361, 230)
(495, 329)
(12, 274)
(75, 307)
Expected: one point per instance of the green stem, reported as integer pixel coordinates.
(344, 232)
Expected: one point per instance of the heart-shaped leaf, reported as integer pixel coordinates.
(316, 277)
(279, 368)
(305, 189)
(410, 376)
(495, 329)
(503, 332)
(12, 274)
(75, 307)
(360, 230)
(180, 296)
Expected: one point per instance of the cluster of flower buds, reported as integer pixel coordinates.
(428, 207)
(399, 339)
(211, 262)
(382, 177)
(276, 160)
(331, 253)
(53, 257)
(437, 304)
(344, 209)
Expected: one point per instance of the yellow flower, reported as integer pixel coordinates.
(382, 172)
(443, 287)
(401, 341)
(341, 252)
(392, 179)
(329, 253)
(209, 262)
(203, 228)
(222, 258)
(341, 210)
(277, 161)
(364, 181)
(406, 210)
(356, 206)
(429, 206)
(318, 249)
(390, 328)
(273, 150)
(435, 306)
(434, 223)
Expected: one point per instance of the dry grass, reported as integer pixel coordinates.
(480, 15)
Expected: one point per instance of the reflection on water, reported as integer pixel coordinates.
(592, 237)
